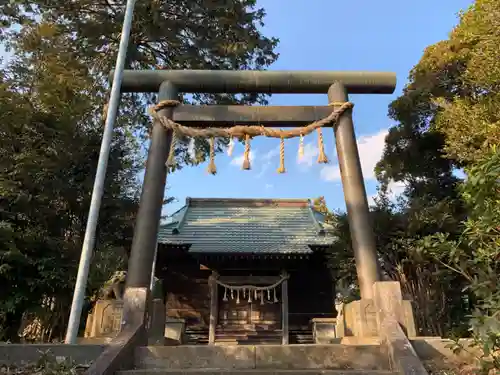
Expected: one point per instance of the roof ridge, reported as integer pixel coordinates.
(252, 201)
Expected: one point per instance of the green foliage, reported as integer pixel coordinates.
(52, 95)
(183, 34)
(448, 117)
(48, 154)
(47, 364)
(475, 255)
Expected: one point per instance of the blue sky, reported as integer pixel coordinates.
(387, 35)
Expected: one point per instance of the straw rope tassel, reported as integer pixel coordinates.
(246, 154)
(301, 147)
(212, 169)
(322, 159)
(281, 169)
(171, 154)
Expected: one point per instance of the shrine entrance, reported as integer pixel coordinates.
(173, 120)
(246, 308)
(249, 315)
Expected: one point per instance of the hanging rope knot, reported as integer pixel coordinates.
(246, 154)
(340, 104)
(212, 169)
(322, 159)
(281, 169)
(165, 104)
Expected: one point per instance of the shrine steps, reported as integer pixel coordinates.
(247, 337)
(253, 372)
(332, 359)
(301, 336)
(195, 336)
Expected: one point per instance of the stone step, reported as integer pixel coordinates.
(251, 372)
(243, 357)
(248, 334)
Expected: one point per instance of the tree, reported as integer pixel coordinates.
(52, 95)
(448, 117)
(184, 34)
(48, 154)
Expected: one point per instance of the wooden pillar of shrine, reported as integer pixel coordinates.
(214, 307)
(284, 309)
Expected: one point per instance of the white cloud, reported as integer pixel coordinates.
(238, 160)
(271, 154)
(268, 186)
(330, 173)
(267, 160)
(311, 152)
(394, 189)
(191, 149)
(257, 160)
(370, 149)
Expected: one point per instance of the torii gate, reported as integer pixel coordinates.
(169, 83)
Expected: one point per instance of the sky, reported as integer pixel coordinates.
(387, 35)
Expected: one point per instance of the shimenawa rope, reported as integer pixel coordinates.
(247, 133)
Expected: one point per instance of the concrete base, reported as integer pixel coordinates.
(360, 319)
(390, 319)
(156, 334)
(324, 330)
(263, 357)
(174, 329)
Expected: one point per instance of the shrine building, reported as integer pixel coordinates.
(246, 271)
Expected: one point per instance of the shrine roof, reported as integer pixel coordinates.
(251, 226)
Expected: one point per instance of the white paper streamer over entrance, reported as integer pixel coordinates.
(249, 291)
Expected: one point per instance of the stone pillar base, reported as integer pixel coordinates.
(359, 318)
(174, 330)
(324, 330)
(106, 318)
(156, 334)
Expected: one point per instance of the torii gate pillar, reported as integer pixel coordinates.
(358, 214)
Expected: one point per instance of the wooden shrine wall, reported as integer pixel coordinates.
(310, 293)
(310, 289)
(187, 294)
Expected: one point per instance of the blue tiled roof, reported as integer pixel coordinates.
(252, 226)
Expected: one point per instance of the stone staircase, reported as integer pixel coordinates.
(228, 337)
(333, 359)
(197, 336)
(301, 336)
